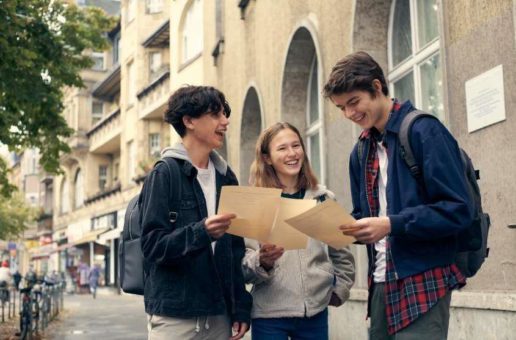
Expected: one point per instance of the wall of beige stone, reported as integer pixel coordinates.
(477, 38)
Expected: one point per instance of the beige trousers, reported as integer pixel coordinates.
(198, 328)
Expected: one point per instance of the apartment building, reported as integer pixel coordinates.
(271, 59)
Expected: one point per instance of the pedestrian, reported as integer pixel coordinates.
(5, 280)
(411, 233)
(93, 278)
(83, 271)
(17, 279)
(292, 289)
(194, 287)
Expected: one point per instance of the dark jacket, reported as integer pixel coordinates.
(184, 278)
(425, 219)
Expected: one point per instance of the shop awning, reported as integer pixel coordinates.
(89, 237)
(109, 235)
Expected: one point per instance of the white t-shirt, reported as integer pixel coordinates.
(206, 178)
(380, 264)
(5, 274)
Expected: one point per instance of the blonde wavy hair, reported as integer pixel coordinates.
(264, 175)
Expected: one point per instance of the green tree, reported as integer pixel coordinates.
(15, 215)
(42, 45)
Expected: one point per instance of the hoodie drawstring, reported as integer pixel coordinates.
(197, 327)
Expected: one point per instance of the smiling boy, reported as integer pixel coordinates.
(194, 288)
(410, 228)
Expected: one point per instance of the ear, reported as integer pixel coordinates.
(267, 159)
(377, 85)
(188, 122)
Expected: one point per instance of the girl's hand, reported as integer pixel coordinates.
(268, 255)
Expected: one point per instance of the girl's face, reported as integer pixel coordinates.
(286, 155)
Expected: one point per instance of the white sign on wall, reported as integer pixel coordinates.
(485, 101)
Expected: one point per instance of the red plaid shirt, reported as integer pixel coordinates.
(408, 298)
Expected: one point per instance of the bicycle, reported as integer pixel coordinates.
(26, 313)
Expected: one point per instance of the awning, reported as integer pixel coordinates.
(89, 237)
(109, 235)
(42, 251)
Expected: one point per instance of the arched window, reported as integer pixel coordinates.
(78, 190)
(192, 31)
(314, 122)
(65, 196)
(414, 60)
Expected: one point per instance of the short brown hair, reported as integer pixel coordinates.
(264, 175)
(355, 71)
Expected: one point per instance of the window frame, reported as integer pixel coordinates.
(419, 54)
(191, 20)
(317, 127)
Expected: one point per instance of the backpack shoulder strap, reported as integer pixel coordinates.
(403, 137)
(173, 169)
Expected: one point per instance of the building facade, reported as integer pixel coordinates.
(271, 59)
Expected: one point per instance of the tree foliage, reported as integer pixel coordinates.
(15, 215)
(42, 45)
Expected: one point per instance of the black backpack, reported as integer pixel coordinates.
(130, 255)
(472, 242)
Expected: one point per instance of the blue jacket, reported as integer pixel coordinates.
(425, 219)
(185, 278)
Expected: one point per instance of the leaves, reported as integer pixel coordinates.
(15, 215)
(42, 45)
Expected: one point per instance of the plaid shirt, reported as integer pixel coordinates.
(408, 298)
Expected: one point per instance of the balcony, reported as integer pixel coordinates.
(160, 37)
(109, 87)
(153, 98)
(105, 135)
(103, 193)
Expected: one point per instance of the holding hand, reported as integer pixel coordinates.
(217, 225)
(368, 230)
(239, 329)
(269, 253)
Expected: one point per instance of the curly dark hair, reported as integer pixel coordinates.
(194, 101)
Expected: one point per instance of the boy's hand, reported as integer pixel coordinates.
(239, 329)
(268, 255)
(368, 230)
(217, 225)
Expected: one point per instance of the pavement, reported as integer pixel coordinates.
(109, 316)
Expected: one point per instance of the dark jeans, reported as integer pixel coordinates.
(431, 325)
(313, 328)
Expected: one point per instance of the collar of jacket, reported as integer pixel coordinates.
(394, 123)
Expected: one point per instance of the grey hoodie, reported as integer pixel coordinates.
(178, 151)
(302, 281)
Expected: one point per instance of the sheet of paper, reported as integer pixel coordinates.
(322, 222)
(282, 234)
(256, 210)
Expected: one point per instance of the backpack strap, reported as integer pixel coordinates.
(173, 169)
(403, 137)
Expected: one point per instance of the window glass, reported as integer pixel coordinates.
(79, 190)
(404, 88)
(154, 144)
(98, 61)
(96, 112)
(193, 31)
(314, 153)
(432, 86)
(401, 34)
(427, 21)
(154, 6)
(313, 91)
(102, 177)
